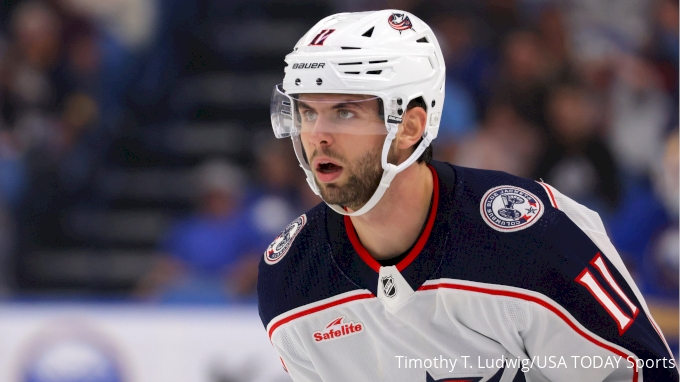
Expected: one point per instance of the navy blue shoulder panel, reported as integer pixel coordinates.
(546, 257)
(478, 252)
(305, 274)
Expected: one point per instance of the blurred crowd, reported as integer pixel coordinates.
(212, 255)
(61, 81)
(581, 94)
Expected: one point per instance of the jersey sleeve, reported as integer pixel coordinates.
(595, 315)
(295, 359)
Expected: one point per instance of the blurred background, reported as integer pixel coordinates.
(140, 181)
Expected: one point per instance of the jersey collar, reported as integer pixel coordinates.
(417, 248)
(423, 259)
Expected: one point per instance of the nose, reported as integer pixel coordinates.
(319, 134)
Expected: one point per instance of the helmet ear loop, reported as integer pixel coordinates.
(427, 138)
(392, 130)
(392, 133)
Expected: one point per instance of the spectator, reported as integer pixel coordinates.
(458, 119)
(665, 50)
(275, 201)
(60, 170)
(577, 161)
(645, 229)
(80, 69)
(662, 254)
(640, 112)
(599, 28)
(32, 57)
(504, 142)
(212, 255)
(501, 18)
(469, 68)
(555, 44)
(523, 76)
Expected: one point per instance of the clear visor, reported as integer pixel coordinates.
(355, 114)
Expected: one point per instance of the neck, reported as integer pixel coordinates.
(393, 225)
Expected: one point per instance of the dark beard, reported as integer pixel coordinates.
(364, 179)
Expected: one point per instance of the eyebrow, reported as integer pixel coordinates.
(343, 105)
(339, 105)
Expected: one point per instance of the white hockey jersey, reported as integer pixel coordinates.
(509, 281)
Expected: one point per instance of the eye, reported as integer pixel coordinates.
(345, 114)
(309, 115)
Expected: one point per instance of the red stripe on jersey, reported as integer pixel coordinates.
(658, 331)
(536, 300)
(422, 240)
(552, 197)
(317, 309)
(358, 247)
(417, 248)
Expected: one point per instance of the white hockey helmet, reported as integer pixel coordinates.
(389, 54)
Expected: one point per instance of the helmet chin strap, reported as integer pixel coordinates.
(390, 171)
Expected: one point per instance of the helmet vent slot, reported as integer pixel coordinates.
(374, 72)
(424, 39)
(377, 62)
(369, 32)
(350, 63)
(351, 72)
(349, 47)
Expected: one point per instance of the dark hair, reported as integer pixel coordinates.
(426, 156)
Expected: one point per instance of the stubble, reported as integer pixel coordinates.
(363, 179)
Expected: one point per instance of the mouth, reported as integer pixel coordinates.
(327, 170)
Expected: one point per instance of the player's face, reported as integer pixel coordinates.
(343, 137)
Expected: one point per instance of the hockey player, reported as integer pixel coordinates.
(417, 270)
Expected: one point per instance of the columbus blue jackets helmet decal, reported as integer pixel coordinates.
(400, 22)
(280, 246)
(509, 208)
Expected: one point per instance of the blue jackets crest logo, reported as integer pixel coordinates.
(280, 246)
(400, 22)
(510, 208)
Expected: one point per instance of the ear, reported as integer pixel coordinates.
(411, 129)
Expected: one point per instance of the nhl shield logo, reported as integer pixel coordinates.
(510, 208)
(389, 287)
(280, 246)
